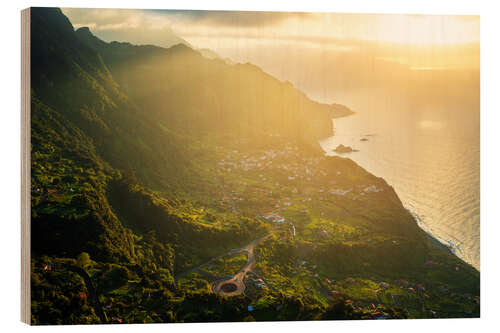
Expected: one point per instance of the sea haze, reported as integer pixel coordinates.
(429, 154)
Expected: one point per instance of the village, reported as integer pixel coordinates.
(281, 178)
(296, 195)
(306, 200)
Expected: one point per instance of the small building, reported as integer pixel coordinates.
(403, 283)
(430, 264)
(384, 285)
(323, 234)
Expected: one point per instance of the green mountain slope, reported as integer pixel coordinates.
(153, 168)
(73, 80)
(70, 213)
(188, 92)
(92, 146)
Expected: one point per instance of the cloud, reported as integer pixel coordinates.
(125, 25)
(235, 18)
(324, 54)
(168, 27)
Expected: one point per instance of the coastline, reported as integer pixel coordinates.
(442, 244)
(439, 243)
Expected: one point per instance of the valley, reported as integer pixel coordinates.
(189, 201)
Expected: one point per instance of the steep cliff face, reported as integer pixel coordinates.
(84, 129)
(71, 78)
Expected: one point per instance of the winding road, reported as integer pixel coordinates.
(237, 279)
(93, 296)
(236, 282)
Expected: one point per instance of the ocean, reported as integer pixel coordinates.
(431, 160)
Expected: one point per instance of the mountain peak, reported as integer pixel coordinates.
(86, 36)
(84, 30)
(180, 47)
(183, 49)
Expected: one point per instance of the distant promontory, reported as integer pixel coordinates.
(341, 149)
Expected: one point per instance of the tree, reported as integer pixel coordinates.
(83, 260)
(79, 201)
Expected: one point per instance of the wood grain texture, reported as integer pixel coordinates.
(25, 168)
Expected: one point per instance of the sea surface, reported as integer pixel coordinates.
(431, 160)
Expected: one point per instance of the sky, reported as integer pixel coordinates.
(327, 55)
(321, 27)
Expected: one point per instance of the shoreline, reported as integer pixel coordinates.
(440, 243)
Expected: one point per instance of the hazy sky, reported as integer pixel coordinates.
(216, 28)
(327, 55)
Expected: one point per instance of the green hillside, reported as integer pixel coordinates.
(152, 170)
(190, 93)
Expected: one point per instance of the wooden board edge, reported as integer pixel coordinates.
(25, 167)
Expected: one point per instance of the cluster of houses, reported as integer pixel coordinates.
(297, 166)
(340, 191)
(292, 165)
(254, 280)
(362, 190)
(384, 285)
(259, 283)
(274, 217)
(372, 188)
(430, 264)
